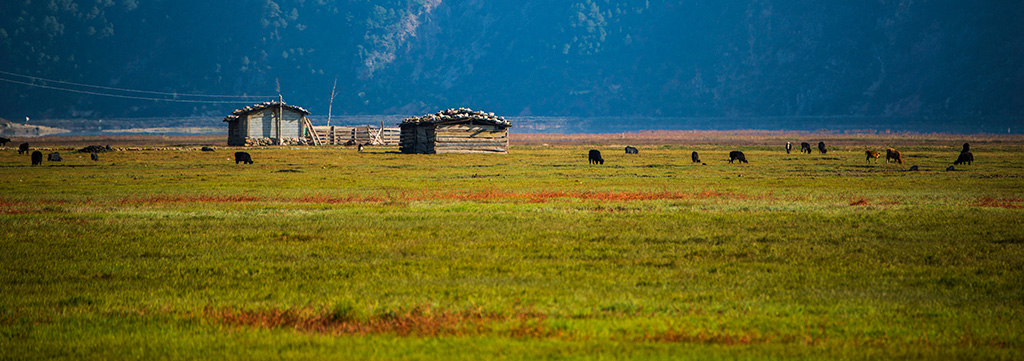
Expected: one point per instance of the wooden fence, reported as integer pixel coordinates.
(335, 135)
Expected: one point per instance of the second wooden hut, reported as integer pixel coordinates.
(455, 131)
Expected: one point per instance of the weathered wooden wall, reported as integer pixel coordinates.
(454, 138)
(470, 138)
(417, 138)
(262, 124)
(236, 133)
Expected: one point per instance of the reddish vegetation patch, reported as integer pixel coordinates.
(859, 202)
(675, 336)
(1012, 203)
(419, 321)
(428, 322)
(191, 198)
(531, 197)
(10, 207)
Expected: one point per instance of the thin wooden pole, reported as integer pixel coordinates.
(280, 114)
(331, 104)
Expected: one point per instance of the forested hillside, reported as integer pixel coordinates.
(928, 59)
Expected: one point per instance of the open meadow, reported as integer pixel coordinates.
(168, 252)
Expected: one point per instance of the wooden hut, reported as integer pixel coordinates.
(269, 123)
(455, 131)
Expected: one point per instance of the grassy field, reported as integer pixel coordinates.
(325, 252)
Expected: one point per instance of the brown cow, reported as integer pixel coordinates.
(872, 154)
(894, 155)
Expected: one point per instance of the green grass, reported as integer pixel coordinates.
(324, 252)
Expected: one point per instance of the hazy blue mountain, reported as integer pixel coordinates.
(589, 58)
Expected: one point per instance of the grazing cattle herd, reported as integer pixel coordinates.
(594, 155)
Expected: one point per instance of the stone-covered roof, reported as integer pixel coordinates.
(459, 114)
(260, 106)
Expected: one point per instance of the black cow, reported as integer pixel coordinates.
(789, 147)
(694, 157)
(965, 157)
(632, 150)
(94, 156)
(206, 149)
(4, 141)
(821, 148)
(595, 157)
(805, 147)
(737, 155)
(54, 157)
(967, 148)
(37, 158)
(243, 157)
(23, 148)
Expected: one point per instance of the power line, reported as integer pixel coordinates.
(133, 90)
(128, 96)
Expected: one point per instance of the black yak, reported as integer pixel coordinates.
(94, 156)
(694, 157)
(632, 150)
(37, 158)
(54, 157)
(965, 157)
(243, 157)
(821, 148)
(789, 147)
(805, 147)
(23, 148)
(4, 141)
(206, 149)
(595, 157)
(967, 148)
(737, 155)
